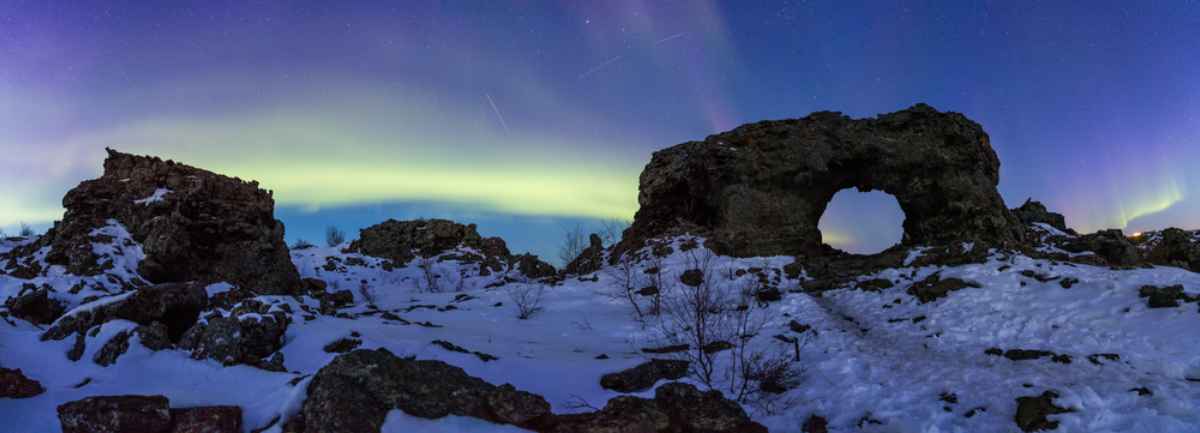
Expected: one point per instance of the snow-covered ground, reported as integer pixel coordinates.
(874, 361)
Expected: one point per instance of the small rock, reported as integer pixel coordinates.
(343, 345)
(692, 277)
(816, 424)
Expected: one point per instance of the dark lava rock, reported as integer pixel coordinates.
(875, 285)
(798, 327)
(176, 305)
(1036, 212)
(666, 349)
(1174, 247)
(692, 277)
(1033, 410)
(815, 424)
(1068, 282)
(343, 345)
(206, 228)
(112, 349)
(1164, 297)
(591, 259)
(934, 287)
(14, 384)
(356, 390)
(403, 241)
(116, 414)
(760, 189)
(1110, 245)
(645, 375)
(676, 408)
(248, 335)
(35, 306)
(210, 419)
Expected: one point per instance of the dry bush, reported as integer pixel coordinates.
(718, 323)
(334, 236)
(527, 298)
(573, 244)
(626, 281)
(26, 230)
(429, 276)
(302, 244)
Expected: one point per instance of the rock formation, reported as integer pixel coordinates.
(760, 189)
(193, 225)
(403, 241)
(145, 414)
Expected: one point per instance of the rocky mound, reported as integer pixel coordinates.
(403, 241)
(193, 225)
(760, 189)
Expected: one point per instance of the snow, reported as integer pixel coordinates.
(866, 358)
(156, 197)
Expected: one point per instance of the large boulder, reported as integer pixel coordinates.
(760, 189)
(193, 225)
(355, 391)
(174, 305)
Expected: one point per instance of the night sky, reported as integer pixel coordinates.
(530, 116)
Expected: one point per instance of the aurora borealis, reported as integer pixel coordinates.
(526, 116)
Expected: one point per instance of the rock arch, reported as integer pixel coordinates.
(761, 188)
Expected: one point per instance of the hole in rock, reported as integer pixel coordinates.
(862, 222)
(179, 320)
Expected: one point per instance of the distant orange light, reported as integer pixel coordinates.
(1136, 235)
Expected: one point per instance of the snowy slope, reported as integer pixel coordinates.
(874, 361)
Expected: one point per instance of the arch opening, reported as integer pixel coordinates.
(862, 222)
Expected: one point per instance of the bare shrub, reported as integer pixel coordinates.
(718, 322)
(302, 244)
(334, 236)
(364, 289)
(429, 275)
(573, 244)
(626, 282)
(527, 298)
(26, 230)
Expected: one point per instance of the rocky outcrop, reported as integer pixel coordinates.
(355, 392)
(1033, 212)
(1171, 247)
(760, 189)
(402, 241)
(645, 375)
(1112, 246)
(935, 287)
(14, 384)
(145, 414)
(193, 225)
(175, 306)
